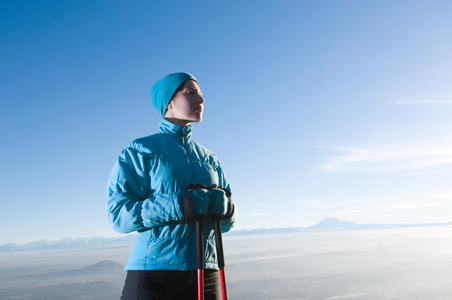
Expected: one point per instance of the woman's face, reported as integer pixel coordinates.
(186, 105)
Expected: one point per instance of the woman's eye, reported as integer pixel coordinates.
(193, 92)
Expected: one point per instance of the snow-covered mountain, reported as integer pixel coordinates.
(68, 243)
(333, 224)
(328, 224)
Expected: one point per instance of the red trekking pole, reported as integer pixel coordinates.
(200, 258)
(200, 243)
(220, 254)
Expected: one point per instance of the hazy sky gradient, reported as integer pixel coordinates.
(314, 108)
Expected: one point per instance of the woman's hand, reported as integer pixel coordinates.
(200, 201)
(220, 203)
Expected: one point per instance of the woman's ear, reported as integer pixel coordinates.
(168, 107)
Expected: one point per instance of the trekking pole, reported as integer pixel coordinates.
(220, 254)
(200, 258)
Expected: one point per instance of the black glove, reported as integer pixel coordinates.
(200, 201)
(220, 204)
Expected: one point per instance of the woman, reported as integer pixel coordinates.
(147, 193)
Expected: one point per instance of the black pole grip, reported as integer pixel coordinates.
(199, 245)
(219, 243)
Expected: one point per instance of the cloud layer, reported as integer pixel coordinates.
(389, 157)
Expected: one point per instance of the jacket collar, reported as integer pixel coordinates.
(167, 127)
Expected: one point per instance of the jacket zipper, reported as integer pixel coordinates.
(188, 157)
(189, 161)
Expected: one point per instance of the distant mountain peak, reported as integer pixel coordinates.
(333, 224)
(104, 265)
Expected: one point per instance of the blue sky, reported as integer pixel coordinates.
(315, 108)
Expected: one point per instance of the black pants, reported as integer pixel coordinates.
(170, 285)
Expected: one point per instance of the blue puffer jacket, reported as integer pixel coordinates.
(146, 194)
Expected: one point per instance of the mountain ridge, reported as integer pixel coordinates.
(328, 224)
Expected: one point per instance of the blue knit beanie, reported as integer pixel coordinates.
(163, 90)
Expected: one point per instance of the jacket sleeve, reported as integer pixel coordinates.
(130, 206)
(229, 221)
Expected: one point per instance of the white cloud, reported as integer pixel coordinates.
(429, 206)
(393, 157)
(423, 101)
(348, 296)
(444, 194)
